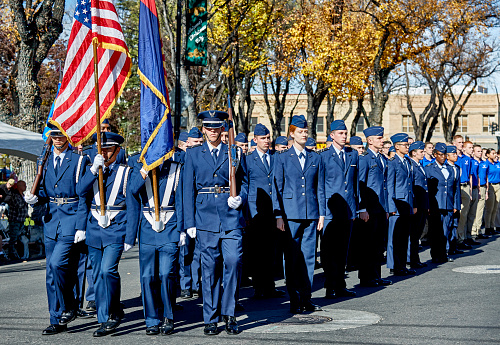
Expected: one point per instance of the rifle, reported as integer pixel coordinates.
(41, 163)
(233, 155)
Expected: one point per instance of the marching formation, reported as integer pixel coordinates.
(197, 226)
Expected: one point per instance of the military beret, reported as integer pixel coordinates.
(281, 141)
(338, 125)
(355, 140)
(195, 133)
(310, 142)
(241, 138)
(440, 147)
(109, 139)
(451, 149)
(417, 145)
(392, 149)
(374, 131)
(299, 121)
(183, 136)
(260, 129)
(399, 138)
(213, 118)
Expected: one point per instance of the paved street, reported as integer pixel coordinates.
(446, 304)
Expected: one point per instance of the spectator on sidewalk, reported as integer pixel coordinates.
(18, 212)
(6, 191)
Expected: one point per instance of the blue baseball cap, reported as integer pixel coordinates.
(299, 121)
(355, 140)
(213, 118)
(183, 136)
(399, 138)
(417, 145)
(281, 141)
(374, 131)
(109, 139)
(338, 125)
(260, 129)
(310, 142)
(195, 133)
(451, 149)
(241, 138)
(440, 147)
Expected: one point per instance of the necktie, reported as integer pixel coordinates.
(58, 163)
(302, 158)
(214, 155)
(342, 162)
(264, 160)
(407, 167)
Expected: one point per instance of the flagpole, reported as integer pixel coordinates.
(155, 195)
(98, 127)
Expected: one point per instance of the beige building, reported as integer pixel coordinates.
(481, 110)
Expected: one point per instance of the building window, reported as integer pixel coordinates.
(487, 121)
(283, 126)
(462, 124)
(406, 123)
(320, 125)
(360, 126)
(253, 123)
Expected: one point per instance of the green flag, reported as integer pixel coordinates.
(196, 22)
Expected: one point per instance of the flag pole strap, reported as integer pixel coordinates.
(155, 194)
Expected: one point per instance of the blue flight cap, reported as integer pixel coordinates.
(54, 131)
(392, 149)
(399, 138)
(374, 131)
(310, 142)
(183, 136)
(355, 140)
(329, 139)
(109, 139)
(440, 147)
(253, 143)
(227, 124)
(260, 129)
(241, 138)
(299, 121)
(195, 133)
(213, 118)
(338, 125)
(451, 149)
(105, 122)
(281, 141)
(417, 145)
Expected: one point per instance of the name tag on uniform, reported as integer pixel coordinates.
(353, 165)
(374, 166)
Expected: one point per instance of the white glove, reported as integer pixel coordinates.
(80, 236)
(234, 203)
(182, 240)
(191, 232)
(98, 162)
(30, 198)
(126, 247)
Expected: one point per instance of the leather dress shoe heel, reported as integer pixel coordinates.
(345, 293)
(383, 282)
(295, 308)
(210, 329)
(67, 317)
(84, 314)
(54, 329)
(186, 294)
(101, 331)
(231, 325)
(309, 306)
(167, 327)
(416, 265)
(113, 322)
(153, 330)
(330, 294)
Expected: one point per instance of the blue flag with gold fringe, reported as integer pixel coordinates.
(157, 137)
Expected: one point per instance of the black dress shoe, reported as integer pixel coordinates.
(196, 293)
(231, 325)
(113, 322)
(186, 294)
(84, 314)
(463, 246)
(54, 329)
(482, 237)
(455, 252)
(210, 329)
(345, 293)
(309, 306)
(67, 317)
(101, 331)
(369, 283)
(167, 327)
(295, 308)
(471, 242)
(177, 307)
(489, 231)
(383, 282)
(91, 306)
(403, 272)
(153, 330)
(330, 294)
(415, 265)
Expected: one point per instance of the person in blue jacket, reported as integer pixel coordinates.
(296, 186)
(338, 203)
(63, 227)
(491, 206)
(105, 233)
(443, 203)
(241, 141)
(262, 223)
(216, 220)
(159, 241)
(311, 144)
(373, 209)
(182, 141)
(400, 202)
(420, 202)
(281, 143)
(356, 143)
(451, 159)
(121, 158)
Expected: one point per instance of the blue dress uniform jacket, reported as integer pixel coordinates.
(260, 183)
(442, 192)
(420, 190)
(373, 183)
(295, 191)
(120, 158)
(400, 186)
(200, 171)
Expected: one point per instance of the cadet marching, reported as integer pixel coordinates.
(357, 203)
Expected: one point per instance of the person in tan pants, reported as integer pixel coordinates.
(491, 205)
(481, 180)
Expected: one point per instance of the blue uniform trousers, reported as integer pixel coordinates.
(440, 228)
(189, 265)
(158, 266)
(300, 247)
(372, 246)
(334, 249)
(397, 241)
(106, 279)
(84, 272)
(61, 275)
(417, 227)
(216, 270)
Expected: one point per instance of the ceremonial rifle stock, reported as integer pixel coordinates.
(233, 156)
(42, 160)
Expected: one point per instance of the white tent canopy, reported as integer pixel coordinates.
(20, 142)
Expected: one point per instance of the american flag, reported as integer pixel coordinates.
(75, 110)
